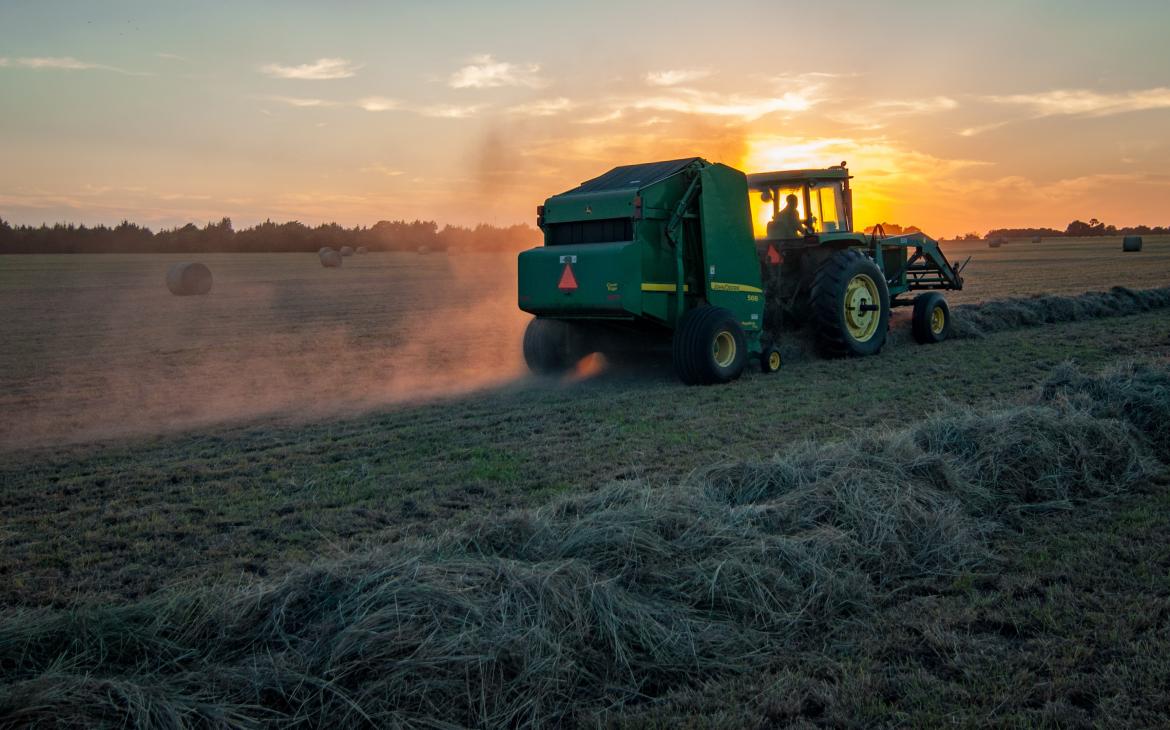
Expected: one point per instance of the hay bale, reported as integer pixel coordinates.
(1131, 243)
(347, 251)
(189, 279)
(330, 259)
(323, 249)
(362, 250)
(1037, 239)
(994, 243)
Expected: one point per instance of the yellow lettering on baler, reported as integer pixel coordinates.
(725, 286)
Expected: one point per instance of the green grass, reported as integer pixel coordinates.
(1068, 630)
(1066, 627)
(631, 602)
(96, 523)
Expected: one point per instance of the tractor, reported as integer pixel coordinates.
(714, 264)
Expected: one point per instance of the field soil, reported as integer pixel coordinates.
(297, 415)
(99, 348)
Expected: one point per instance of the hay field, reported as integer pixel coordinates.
(96, 346)
(967, 534)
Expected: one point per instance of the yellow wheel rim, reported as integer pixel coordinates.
(861, 322)
(938, 320)
(773, 360)
(723, 349)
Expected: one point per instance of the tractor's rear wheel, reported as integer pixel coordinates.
(709, 347)
(850, 305)
(549, 346)
(932, 318)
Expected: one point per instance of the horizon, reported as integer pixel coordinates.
(165, 116)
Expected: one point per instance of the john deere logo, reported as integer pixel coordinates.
(589, 210)
(611, 285)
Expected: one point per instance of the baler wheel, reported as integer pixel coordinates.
(770, 360)
(548, 346)
(932, 318)
(709, 347)
(850, 305)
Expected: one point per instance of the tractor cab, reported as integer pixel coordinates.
(799, 204)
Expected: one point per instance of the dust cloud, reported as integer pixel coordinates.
(96, 348)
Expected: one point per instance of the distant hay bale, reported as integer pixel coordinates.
(362, 250)
(323, 249)
(189, 279)
(330, 259)
(995, 242)
(347, 251)
(1037, 239)
(1131, 243)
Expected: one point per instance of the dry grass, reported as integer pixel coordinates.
(594, 602)
(976, 320)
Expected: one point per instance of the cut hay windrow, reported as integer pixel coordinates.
(558, 615)
(976, 320)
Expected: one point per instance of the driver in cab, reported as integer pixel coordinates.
(786, 223)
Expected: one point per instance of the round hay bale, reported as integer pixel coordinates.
(1131, 243)
(362, 250)
(189, 279)
(995, 243)
(323, 249)
(1037, 239)
(330, 259)
(347, 251)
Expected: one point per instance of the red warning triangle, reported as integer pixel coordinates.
(773, 255)
(568, 281)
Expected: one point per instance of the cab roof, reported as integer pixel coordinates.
(782, 177)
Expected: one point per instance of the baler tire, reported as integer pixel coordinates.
(827, 296)
(770, 360)
(548, 346)
(700, 335)
(931, 322)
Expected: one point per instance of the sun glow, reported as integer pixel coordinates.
(878, 168)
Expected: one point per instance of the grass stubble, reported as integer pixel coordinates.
(593, 604)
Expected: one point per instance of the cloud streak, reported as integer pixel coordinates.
(485, 72)
(303, 102)
(1075, 102)
(64, 63)
(673, 77)
(323, 69)
(1083, 102)
(543, 107)
(441, 111)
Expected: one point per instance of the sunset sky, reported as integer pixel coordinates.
(953, 116)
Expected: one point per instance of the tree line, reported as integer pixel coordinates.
(266, 237)
(1077, 228)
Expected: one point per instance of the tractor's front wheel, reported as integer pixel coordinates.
(548, 346)
(850, 305)
(709, 347)
(932, 318)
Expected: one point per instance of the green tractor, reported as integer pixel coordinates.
(713, 263)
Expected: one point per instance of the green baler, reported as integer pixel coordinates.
(664, 252)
